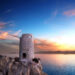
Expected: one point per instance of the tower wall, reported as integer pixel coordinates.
(26, 47)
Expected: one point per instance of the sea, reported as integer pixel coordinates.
(58, 64)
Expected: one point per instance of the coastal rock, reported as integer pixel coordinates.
(12, 66)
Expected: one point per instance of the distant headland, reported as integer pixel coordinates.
(55, 52)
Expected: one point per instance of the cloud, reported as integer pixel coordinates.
(8, 36)
(10, 44)
(51, 17)
(9, 47)
(44, 45)
(3, 35)
(6, 24)
(2, 25)
(17, 33)
(70, 12)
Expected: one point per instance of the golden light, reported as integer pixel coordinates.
(3, 35)
(58, 60)
(65, 42)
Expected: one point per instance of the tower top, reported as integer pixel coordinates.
(26, 34)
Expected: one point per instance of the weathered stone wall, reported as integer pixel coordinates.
(26, 46)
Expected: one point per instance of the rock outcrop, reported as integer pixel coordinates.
(13, 66)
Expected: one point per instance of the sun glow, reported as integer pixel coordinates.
(65, 43)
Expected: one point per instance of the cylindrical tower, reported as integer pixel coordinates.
(26, 47)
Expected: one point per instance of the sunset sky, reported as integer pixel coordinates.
(52, 23)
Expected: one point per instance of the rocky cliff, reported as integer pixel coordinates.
(13, 66)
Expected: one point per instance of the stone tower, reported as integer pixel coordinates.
(26, 47)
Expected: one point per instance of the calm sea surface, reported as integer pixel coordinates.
(58, 64)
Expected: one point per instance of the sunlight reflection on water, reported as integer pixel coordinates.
(58, 64)
(57, 59)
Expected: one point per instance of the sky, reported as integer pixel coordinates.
(51, 22)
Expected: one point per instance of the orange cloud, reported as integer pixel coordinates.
(70, 12)
(3, 35)
(8, 36)
(58, 44)
(45, 45)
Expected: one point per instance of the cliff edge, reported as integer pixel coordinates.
(13, 66)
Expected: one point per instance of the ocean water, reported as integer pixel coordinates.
(58, 64)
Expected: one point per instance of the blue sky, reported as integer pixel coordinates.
(52, 20)
(40, 17)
